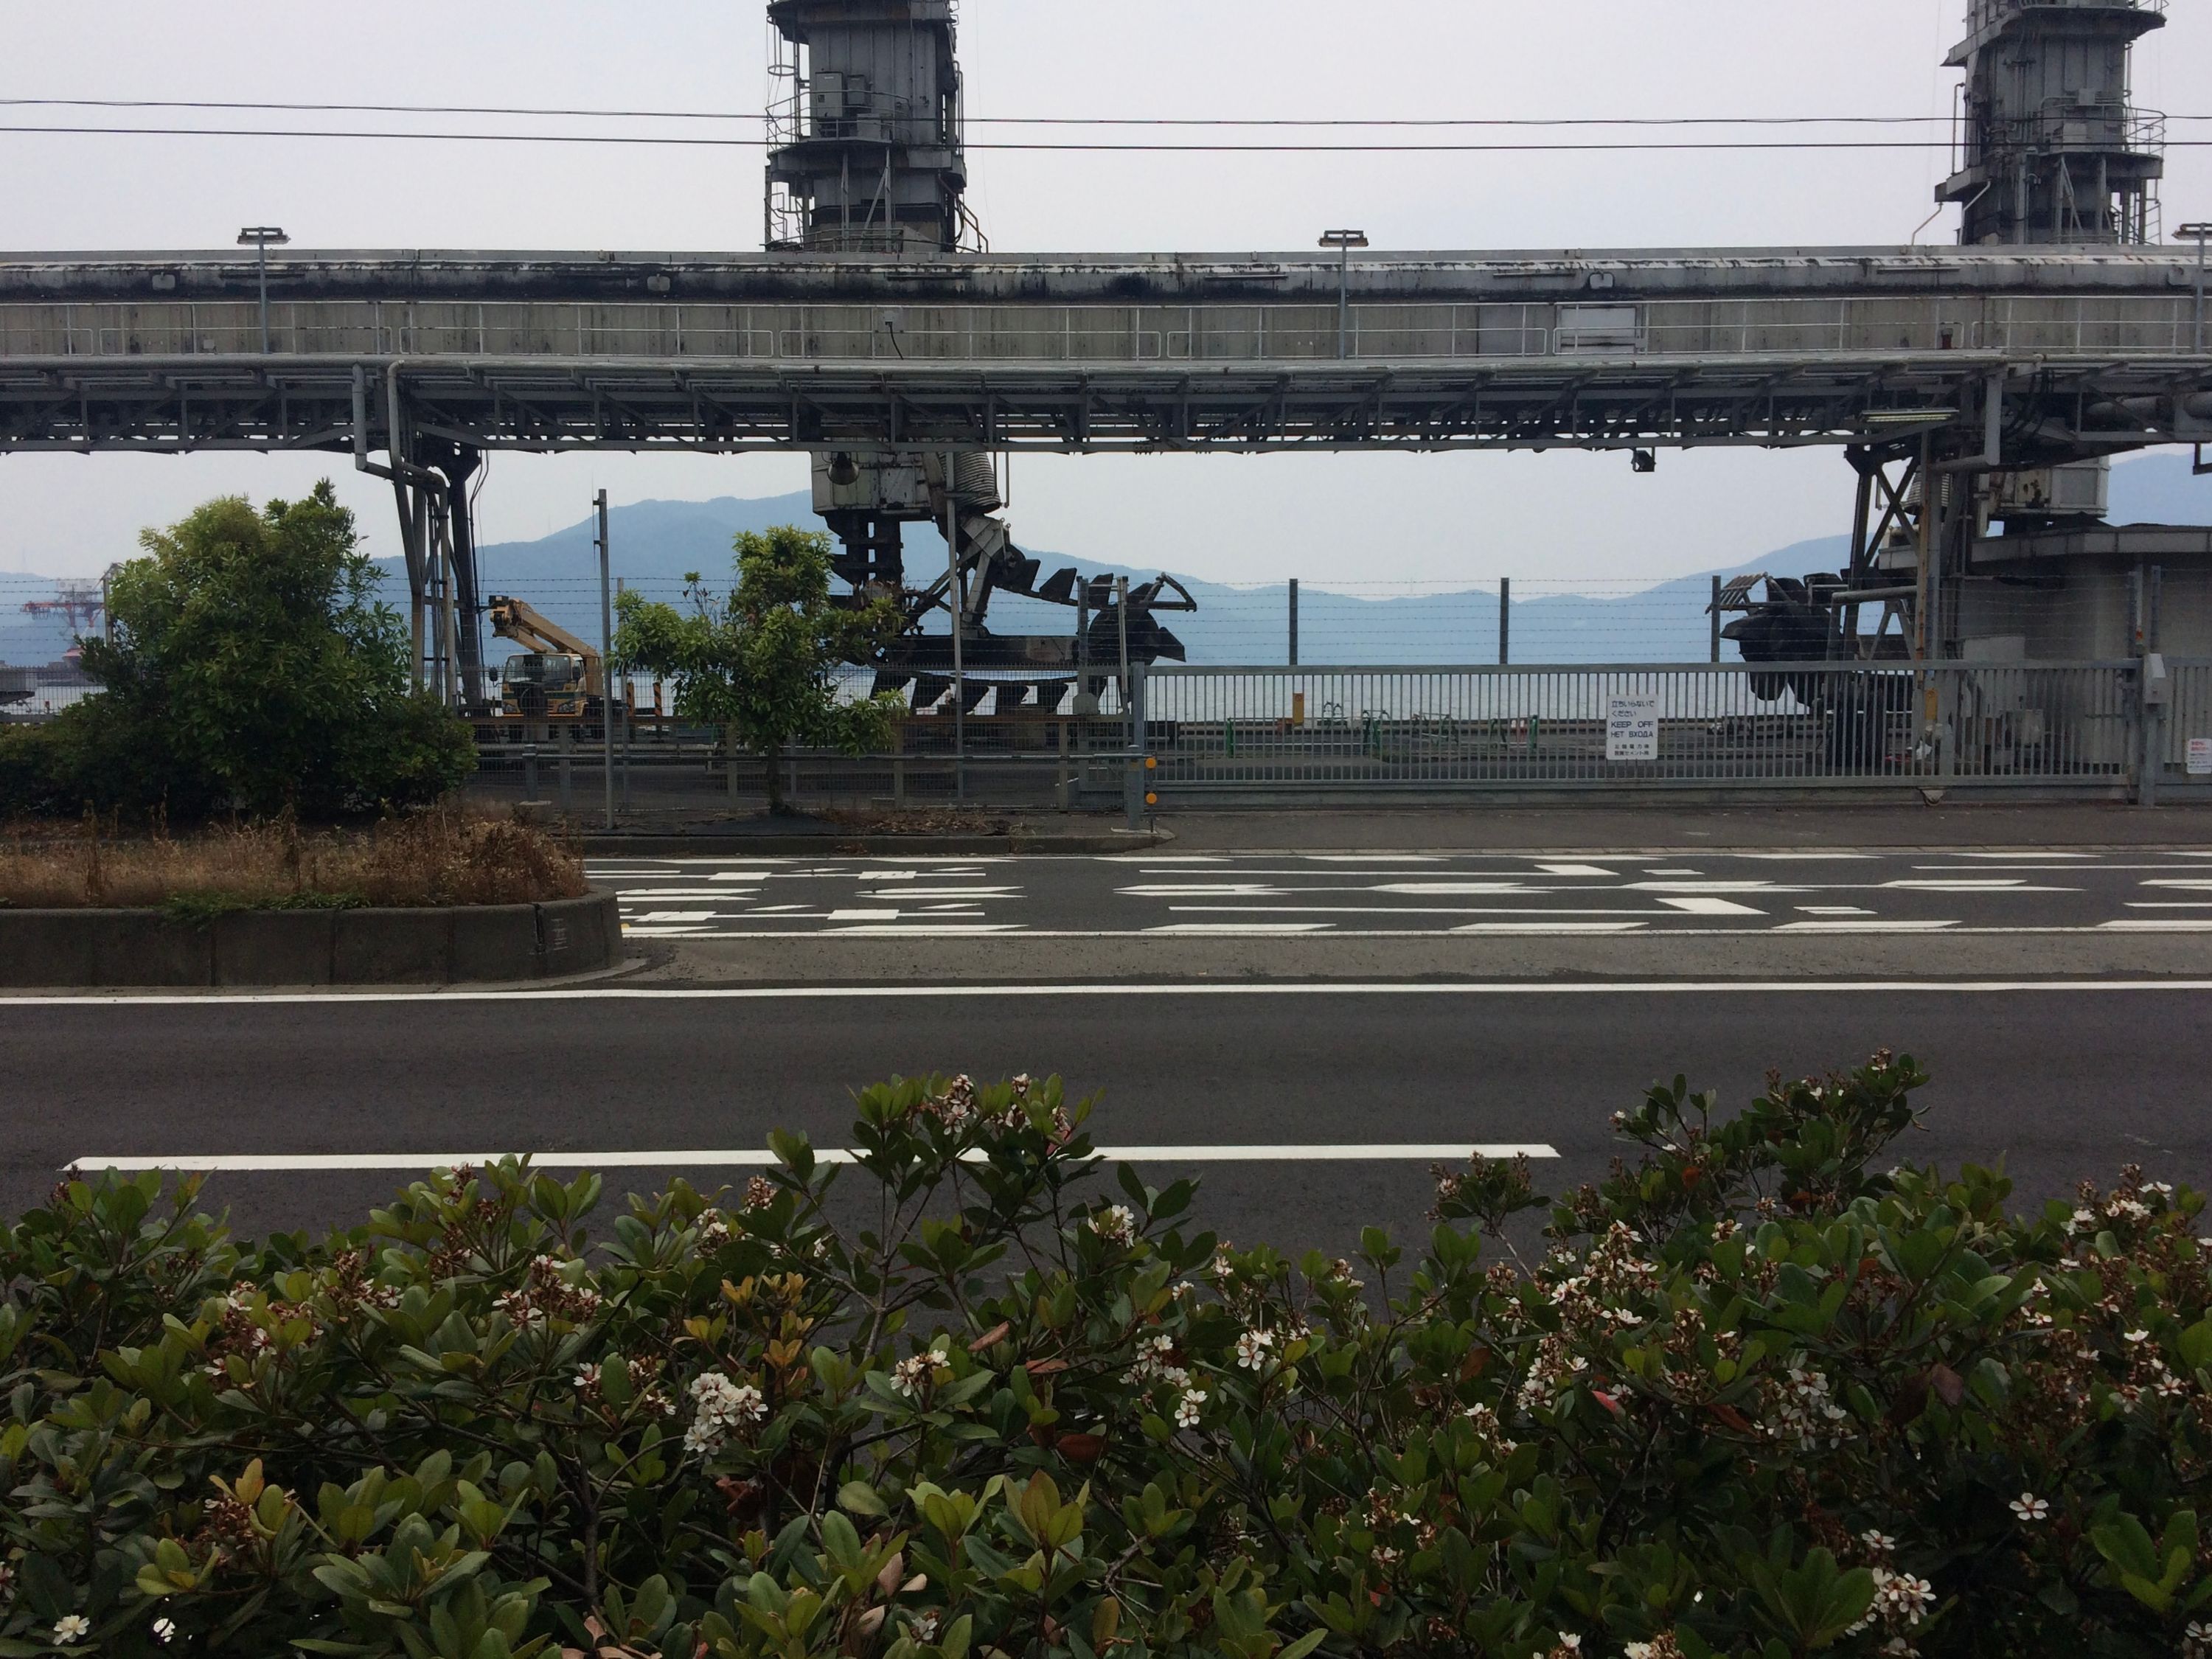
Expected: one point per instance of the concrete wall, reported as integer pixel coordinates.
(485, 943)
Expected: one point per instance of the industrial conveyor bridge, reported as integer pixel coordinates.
(2019, 356)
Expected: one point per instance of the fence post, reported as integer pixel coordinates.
(730, 765)
(1505, 621)
(564, 739)
(1716, 619)
(1294, 621)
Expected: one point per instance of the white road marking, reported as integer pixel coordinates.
(918, 930)
(2009, 885)
(1834, 910)
(336, 1162)
(1708, 887)
(1160, 989)
(1863, 927)
(2158, 925)
(1244, 927)
(653, 918)
(640, 895)
(1454, 889)
(1244, 890)
(2169, 904)
(1571, 870)
(864, 916)
(1674, 872)
(632, 931)
(1377, 858)
(1397, 910)
(1710, 906)
(2183, 886)
(948, 893)
(1553, 927)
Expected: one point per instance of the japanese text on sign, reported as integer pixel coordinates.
(1632, 729)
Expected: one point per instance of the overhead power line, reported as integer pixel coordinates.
(1518, 146)
(1014, 120)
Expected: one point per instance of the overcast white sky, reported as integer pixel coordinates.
(1341, 518)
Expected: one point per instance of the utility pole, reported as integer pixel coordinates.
(956, 600)
(606, 662)
(261, 239)
(1343, 242)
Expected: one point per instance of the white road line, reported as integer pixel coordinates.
(1403, 910)
(919, 930)
(1864, 927)
(325, 1163)
(1163, 989)
(1710, 906)
(1534, 929)
(1571, 870)
(1453, 889)
(1243, 928)
(2157, 925)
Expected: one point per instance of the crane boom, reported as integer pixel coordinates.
(512, 619)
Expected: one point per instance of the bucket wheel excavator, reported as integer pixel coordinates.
(867, 497)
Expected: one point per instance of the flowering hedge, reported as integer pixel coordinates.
(1754, 1396)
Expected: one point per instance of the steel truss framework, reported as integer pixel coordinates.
(2050, 409)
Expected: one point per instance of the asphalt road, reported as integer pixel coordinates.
(340, 1096)
(1790, 894)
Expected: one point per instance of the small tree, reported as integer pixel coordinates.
(251, 668)
(762, 662)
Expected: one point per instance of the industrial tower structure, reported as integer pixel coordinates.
(867, 158)
(864, 141)
(2050, 149)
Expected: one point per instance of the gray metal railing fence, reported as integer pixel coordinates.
(1380, 730)
(1222, 734)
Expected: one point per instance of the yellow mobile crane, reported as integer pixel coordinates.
(555, 676)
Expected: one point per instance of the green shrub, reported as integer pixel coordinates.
(1755, 1398)
(248, 668)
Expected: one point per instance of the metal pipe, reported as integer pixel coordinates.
(1717, 618)
(606, 662)
(1505, 621)
(1294, 621)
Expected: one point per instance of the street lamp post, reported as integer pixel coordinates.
(2197, 233)
(1343, 242)
(261, 239)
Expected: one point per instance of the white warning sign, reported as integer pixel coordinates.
(2200, 757)
(1632, 729)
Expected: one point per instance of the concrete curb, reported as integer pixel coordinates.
(713, 846)
(465, 945)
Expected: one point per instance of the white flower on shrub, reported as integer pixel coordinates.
(1805, 1409)
(165, 1631)
(1878, 1544)
(722, 1407)
(2196, 1640)
(911, 1376)
(1252, 1348)
(1901, 1600)
(2083, 1220)
(924, 1627)
(1116, 1223)
(2028, 1507)
(72, 1627)
(2130, 1208)
(1187, 1408)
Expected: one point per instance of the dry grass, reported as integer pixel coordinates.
(434, 858)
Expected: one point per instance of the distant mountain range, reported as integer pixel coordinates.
(657, 542)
